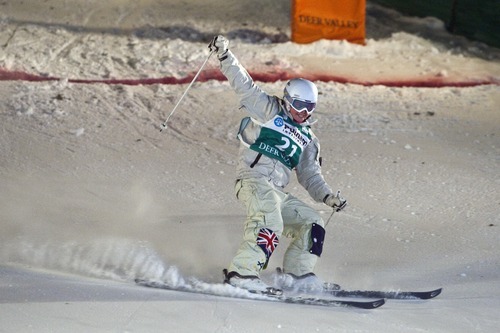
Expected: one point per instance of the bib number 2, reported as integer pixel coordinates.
(287, 144)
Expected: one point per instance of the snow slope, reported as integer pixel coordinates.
(92, 195)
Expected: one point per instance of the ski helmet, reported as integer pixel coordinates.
(301, 94)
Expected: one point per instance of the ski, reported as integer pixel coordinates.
(408, 295)
(335, 290)
(226, 290)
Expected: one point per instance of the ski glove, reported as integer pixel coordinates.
(219, 45)
(335, 201)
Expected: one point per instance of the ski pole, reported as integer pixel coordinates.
(334, 210)
(164, 125)
(328, 221)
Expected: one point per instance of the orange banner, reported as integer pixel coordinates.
(328, 19)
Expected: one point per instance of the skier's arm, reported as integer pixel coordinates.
(310, 177)
(309, 173)
(252, 97)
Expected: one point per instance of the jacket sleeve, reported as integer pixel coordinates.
(309, 172)
(257, 103)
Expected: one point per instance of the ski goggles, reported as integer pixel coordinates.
(300, 105)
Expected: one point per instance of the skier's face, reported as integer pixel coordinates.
(299, 117)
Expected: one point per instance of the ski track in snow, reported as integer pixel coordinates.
(91, 187)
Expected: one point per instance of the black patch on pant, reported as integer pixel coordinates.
(317, 239)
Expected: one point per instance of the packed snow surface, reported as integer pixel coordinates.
(93, 195)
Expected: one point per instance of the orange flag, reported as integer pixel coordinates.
(328, 19)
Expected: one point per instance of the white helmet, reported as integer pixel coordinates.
(301, 94)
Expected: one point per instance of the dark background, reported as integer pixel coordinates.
(475, 19)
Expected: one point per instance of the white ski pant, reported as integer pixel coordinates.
(271, 211)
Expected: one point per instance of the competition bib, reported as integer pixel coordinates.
(282, 140)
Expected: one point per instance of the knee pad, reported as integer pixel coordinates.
(317, 239)
(267, 240)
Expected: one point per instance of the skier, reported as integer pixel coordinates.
(275, 140)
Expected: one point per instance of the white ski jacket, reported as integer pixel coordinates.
(263, 107)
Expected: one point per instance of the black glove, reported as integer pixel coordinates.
(219, 45)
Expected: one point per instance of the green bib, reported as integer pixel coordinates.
(283, 140)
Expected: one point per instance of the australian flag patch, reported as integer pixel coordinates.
(267, 240)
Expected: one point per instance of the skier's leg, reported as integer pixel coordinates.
(263, 226)
(306, 228)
